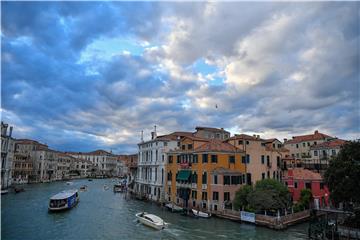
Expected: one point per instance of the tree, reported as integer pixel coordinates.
(240, 201)
(343, 174)
(305, 198)
(269, 194)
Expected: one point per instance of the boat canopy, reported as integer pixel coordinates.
(64, 194)
(183, 175)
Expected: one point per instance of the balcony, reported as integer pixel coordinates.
(194, 185)
(183, 185)
(204, 186)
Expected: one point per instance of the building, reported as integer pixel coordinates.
(149, 182)
(7, 154)
(80, 168)
(322, 153)
(211, 133)
(204, 173)
(23, 166)
(65, 163)
(297, 179)
(299, 146)
(104, 163)
(263, 157)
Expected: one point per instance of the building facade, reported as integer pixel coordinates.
(204, 174)
(297, 179)
(7, 155)
(263, 158)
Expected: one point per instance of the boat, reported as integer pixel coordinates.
(69, 183)
(198, 213)
(83, 188)
(120, 187)
(151, 220)
(174, 208)
(18, 190)
(90, 180)
(106, 187)
(4, 191)
(64, 200)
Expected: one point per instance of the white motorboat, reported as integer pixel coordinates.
(106, 187)
(4, 191)
(151, 220)
(174, 208)
(69, 183)
(198, 213)
(64, 200)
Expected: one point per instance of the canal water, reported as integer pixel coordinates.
(102, 214)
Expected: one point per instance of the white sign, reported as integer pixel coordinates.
(247, 216)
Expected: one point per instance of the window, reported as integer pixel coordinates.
(204, 196)
(273, 174)
(215, 179)
(165, 144)
(297, 145)
(247, 143)
(315, 153)
(226, 180)
(195, 158)
(308, 185)
(268, 174)
(190, 146)
(263, 176)
(226, 196)
(247, 158)
(262, 159)
(315, 143)
(304, 144)
(235, 180)
(263, 144)
(278, 161)
(243, 159)
(295, 185)
(333, 152)
(279, 145)
(231, 159)
(216, 196)
(178, 144)
(194, 177)
(214, 158)
(170, 159)
(178, 158)
(268, 160)
(204, 178)
(183, 147)
(273, 145)
(240, 142)
(204, 158)
(194, 194)
(169, 176)
(321, 185)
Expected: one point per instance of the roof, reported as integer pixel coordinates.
(210, 129)
(245, 137)
(29, 141)
(300, 173)
(64, 194)
(215, 145)
(334, 143)
(270, 140)
(98, 152)
(310, 137)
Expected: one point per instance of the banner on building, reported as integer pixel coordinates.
(247, 216)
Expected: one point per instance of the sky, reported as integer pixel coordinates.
(81, 76)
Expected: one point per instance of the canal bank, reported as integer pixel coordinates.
(102, 214)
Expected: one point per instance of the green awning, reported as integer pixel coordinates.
(183, 175)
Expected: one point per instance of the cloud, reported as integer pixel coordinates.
(88, 75)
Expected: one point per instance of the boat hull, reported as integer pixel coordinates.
(157, 226)
(200, 214)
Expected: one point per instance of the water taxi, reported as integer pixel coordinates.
(198, 213)
(64, 200)
(151, 220)
(174, 208)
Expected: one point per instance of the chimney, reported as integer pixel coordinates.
(258, 136)
(254, 135)
(285, 140)
(10, 132)
(155, 131)
(152, 135)
(316, 132)
(142, 136)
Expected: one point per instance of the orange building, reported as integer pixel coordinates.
(204, 173)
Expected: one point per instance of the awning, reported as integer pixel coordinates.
(183, 175)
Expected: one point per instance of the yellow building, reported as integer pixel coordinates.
(204, 173)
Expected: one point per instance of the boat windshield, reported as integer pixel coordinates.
(57, 203)
(147, 218)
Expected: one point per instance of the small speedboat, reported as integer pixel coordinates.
(106, 187)
(198, 213)
(4, 191)
(83, 188)
(174, 208)
(64, 200)
(119, 187)
(18, 190)
(90, 180)
(69, 183)
(151, 220)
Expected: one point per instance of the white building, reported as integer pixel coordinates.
(7, 153)
(149, 181)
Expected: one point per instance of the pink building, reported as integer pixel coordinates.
(297, 179)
